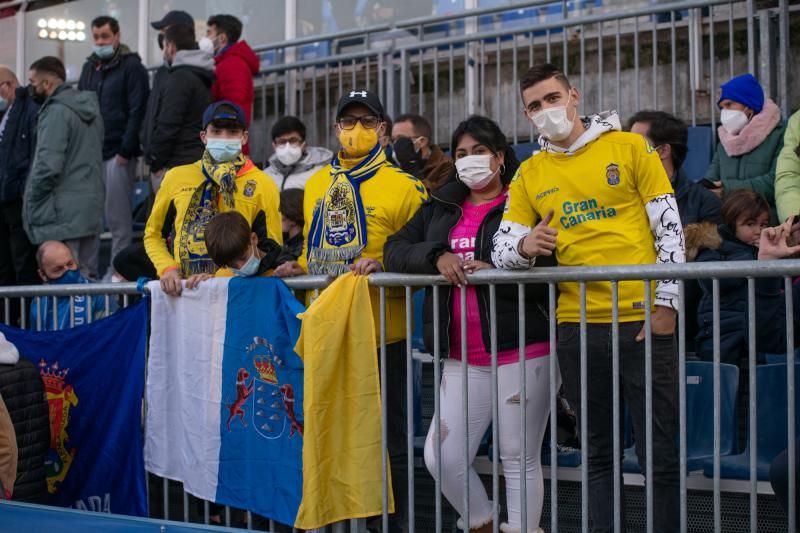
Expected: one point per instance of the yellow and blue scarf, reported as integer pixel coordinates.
(338, 231)
(220, 179)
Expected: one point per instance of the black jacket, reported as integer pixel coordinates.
(170, 136)
(292, 248)
(122, 87)
(17, 144)
(695, 202)
(733, 306)
(23, 393)
(415, 249)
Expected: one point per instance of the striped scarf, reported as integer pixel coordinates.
(338, 231)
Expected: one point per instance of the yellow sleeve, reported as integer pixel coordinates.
(651, 178)
(414, 197)
(519, 207)
(154, 242)
(271, 202)
(309, 201)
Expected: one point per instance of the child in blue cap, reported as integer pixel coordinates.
(750, 138)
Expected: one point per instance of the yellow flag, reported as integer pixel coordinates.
(342, 406)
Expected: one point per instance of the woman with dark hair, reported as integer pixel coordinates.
(452, 235)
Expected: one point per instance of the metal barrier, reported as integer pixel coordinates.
(556, 475)
(671, 56)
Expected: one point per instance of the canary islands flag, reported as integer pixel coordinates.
(225, 393)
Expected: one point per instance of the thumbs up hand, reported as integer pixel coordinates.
(540, 241)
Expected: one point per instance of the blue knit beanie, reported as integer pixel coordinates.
(744, 89)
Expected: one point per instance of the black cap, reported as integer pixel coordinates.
(172, 18)
(362, 97)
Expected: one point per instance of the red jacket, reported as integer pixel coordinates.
(235, 68)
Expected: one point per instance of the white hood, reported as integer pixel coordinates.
(8, 352)
(596, 125)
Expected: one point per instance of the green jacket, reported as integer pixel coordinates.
(754, 170)
(787, 173)
(64, 193)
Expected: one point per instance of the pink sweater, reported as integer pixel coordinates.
(462, 241)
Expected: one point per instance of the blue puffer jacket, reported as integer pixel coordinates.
(16, 146)
(122, 89)
(733, 306)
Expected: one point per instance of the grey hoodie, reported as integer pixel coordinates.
(64, 194)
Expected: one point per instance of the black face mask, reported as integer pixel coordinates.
(409, 159)
(36, 97)
(161, 41)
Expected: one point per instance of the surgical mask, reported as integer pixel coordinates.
(70, 277)
(103, 52)
(475, 171)
(553, 122)
(3, 104)
(250, 268)
(223, 150)
(733, 120)
(288, 153)
(408, 157)
(359, 141)
(206, 45)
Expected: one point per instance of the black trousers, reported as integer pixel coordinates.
(17, 255)
(666, 481)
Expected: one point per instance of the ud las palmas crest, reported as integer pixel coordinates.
(271, 403)
(60, 398)
(612, 174)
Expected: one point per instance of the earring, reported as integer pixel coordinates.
(502, 169)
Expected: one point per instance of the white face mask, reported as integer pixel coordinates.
(475, 171)
(553, 122)
(733, 120)
(206, 45)
(288, 153)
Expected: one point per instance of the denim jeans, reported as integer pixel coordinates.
(666, 500)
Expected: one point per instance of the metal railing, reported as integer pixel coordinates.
(717, 486)
(669, 56)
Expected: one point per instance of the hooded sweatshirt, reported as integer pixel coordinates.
(235, 67)
(175, 111)
(64, 194)
(613, 204)
(295, 176)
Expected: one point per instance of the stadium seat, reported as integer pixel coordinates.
(771, 431)
(525, 150)
(141, 192)
(700, 152)
(700, 415)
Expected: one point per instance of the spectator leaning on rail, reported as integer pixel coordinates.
(750, 139)
(414, 152)
(236, 63)
(120, 80)
(64, 193)
(23, 392)
(222, 180)
(293, 161)
(787, 172)
(609, 201)
(452, 235)
(379, 199)
(57, 266)
(175, 108)
(669, 136)
(17, 142)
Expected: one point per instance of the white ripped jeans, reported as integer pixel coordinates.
(479, 407)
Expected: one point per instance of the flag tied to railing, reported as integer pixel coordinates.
(225, 394)
(93, 377)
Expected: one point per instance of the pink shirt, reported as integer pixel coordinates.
(462, 242)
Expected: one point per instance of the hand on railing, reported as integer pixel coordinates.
(289, 269)
(540, 241)
(171, 282)
(365, 266)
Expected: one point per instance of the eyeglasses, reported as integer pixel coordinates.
(294, 141)
(348, 123)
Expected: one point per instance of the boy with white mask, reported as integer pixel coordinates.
(599, 196)
(191, 195)
(750, 140)
(293, 161)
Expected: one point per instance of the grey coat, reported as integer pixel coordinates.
(64, 193)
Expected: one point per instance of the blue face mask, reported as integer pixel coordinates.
(223, 150)
(249, 269)
(3, 104)
(103, 52)
(70, 277)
